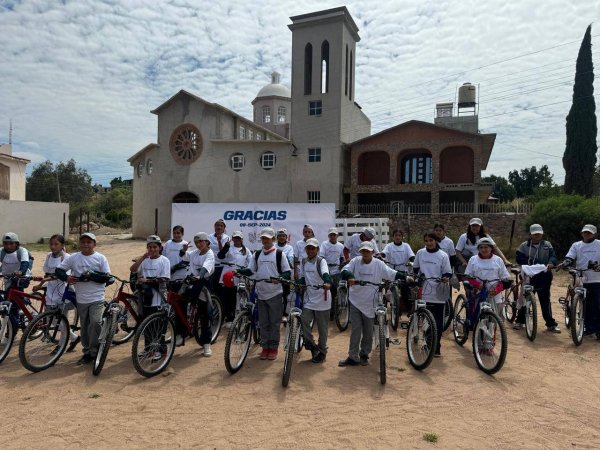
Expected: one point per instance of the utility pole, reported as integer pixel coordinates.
(58, 185)
(10, 132)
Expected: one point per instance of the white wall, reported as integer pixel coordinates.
(33, 220)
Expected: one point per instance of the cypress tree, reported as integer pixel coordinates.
(579, 159)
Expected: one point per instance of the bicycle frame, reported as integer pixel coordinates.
(20, 299)
(125, 297)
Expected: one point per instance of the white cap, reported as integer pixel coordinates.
(267, 232)
(536, 228)
(369, 232)
(486, 241)
(11, 237)
(476, 221)
(366, 245)
(312, 242)
(92, 236)
(282, 231)
(309, 227)
(237, 234)
(201, 236)
(153, 239)
(591, 228)
(333, 230)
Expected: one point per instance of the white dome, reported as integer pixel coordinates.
(274, 88)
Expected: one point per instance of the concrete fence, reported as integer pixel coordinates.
(33, 220)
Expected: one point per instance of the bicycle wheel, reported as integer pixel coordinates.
(342, 317)
(238, 342)
(127, 321)
(153, 344)
(421, 338)
(489, 342)
(448, 313)
(566, 302)
(531, 318)
(216, 318)
(382, 348)
(510, 304)
(44, 341)
(460, 327)
(7, 336)
(395, 307)
(577, 319)
(290, 349)
(109, 326)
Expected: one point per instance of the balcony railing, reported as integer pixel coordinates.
(401, 208)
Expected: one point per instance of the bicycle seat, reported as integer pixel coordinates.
(515, 270)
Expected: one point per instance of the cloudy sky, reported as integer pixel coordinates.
(79, 77)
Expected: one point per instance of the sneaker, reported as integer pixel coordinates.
(272, 355)
(348, 362)
(179, 340)
(228, 325)
(264, 354)
(554, 329)
(517, 326)
(73, 343)
(364, 360)
(151, 355)
(318, 358)
(207, 350)
(85, 359)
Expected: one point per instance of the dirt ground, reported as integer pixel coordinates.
(546, 396)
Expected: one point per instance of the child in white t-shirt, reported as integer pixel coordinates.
(171, 250)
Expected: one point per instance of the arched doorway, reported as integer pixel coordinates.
(186, 197)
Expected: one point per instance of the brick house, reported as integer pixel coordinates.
(426, 166)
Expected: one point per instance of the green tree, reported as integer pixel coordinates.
(527, 180)
(579, 159)
(503, 190)
(65, 182)
(117, 182)
(117, 206)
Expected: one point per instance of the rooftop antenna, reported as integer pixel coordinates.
(10, 133)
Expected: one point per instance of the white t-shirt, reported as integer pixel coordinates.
(171, 252)
(433, 265)
(464, 246)
(299, 251)
(447, 246)
(366, 298)
(235, 256)
(288, 251)
(488, 269)
(315, 299)
(583, 253)
(267, 268)
(11, 262)
(87, 291)
(155, 268)
(54, 288)
(398, 255)
(332, 254)
(198, 261)
(354, 243)
(214, 246)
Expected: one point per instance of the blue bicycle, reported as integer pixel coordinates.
(475, 312)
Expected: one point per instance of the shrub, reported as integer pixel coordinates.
(563, 217)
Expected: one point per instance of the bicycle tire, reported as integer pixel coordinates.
(241, 328)
(216, 318)
(342, 317)
(460, 329)
(567, 309)
(577, 319)
(382, 349)
(290, 349)
(163, 343)
(109, 326)
(395, 307)
(510, 305)
(483, 350)
(40, 338)
(126, 322)
(7, 338)
(531, 318)
(421, 322)
(448, 313)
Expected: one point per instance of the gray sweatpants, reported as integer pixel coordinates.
(90, 318)
(361, 337)
(321, 318)
(269, 319)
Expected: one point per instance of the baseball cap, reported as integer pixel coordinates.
(369, 233)
(153, 239)
(475, 221)
(536, 228)
(221, 221)
(366, 245)
(201, 236)
(92, 236)
(333, 230)
(10, 237)
(282, 231)
(590, 228)
(267, 232)
(486, 241)
(237, 234)
(312, 242)
(309, 227)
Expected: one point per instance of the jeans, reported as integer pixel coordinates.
(269, 319)
(361, 337)
(321, 318)
(90, 318)
(438, 309)
(592, 308)
(541, 283)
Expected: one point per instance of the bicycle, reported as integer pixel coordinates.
(475, 313)
(567, 300)
(342, 311)
(17, 310)
(46, 337)
(395, 296)
(129, 316)
(422, 334)
(244, 327)
(577, 307)
(520, 295)
(110, 320)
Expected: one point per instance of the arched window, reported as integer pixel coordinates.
(416, 169)
(308, 69)
(346, 73)
(373, 168)
(324, 67)
(186, 197)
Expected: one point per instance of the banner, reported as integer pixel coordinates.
(251, 218)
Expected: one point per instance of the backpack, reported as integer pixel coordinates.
(278, 256)
(319, 259)
(20, 251)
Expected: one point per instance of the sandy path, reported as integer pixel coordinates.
(547, 395)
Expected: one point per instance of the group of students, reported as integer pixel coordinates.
(215, 259)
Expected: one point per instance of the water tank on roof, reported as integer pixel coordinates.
(467, 97)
